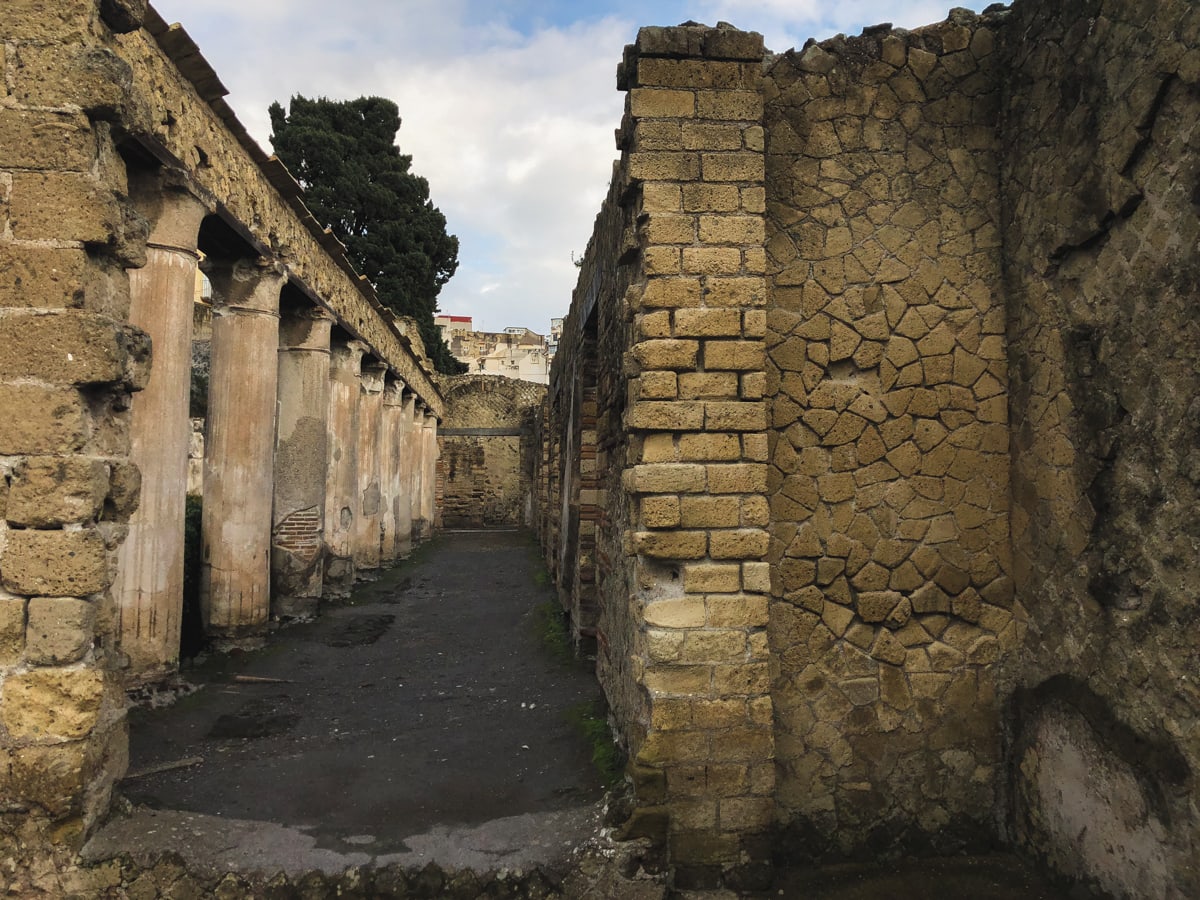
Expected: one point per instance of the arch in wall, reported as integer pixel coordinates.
(486, 451)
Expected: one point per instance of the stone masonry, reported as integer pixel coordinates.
(886, 352)
(120, 167)
(867, 467)
(486, 451)
(1101, 126)
(889, 465)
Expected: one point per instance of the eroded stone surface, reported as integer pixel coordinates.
(972, 465)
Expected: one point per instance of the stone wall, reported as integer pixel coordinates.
(889, 455)
(966, 459)
(119, 167)
(1101, 131)
(68, 363)
(486, 450)
(583, 517)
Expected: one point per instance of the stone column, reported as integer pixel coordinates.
(149, 585)
(403, 501)
(301, 462)
(429, 455)
(342, 483)
(370, 422)
(415, 456)
(389, 455)
(240, 440)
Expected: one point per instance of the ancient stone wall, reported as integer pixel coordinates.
(486, 450)
(68, 363)
(119, 164)
(586, 512)
(1101, 184)
(976, 469)
(670, 307)
(889, 459)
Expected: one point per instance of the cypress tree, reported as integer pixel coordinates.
(357, 182)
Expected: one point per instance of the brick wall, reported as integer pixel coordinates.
(487, 448)
(896, 360)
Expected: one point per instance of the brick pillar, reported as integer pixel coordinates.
(239, 446)
(68, 362)
(389, 456)
(342, 485)
(149, 585)
(369, 500)
(301, 462)
(585, 610)
(439, 485)
(697, 422)
(554, 479)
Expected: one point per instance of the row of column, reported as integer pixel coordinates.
(377, 495)
(319, 463)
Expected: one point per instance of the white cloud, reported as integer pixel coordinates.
(514, 131)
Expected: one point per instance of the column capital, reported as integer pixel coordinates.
(249, 285)
(174, 206)
(305, 329)
(393, 391)
(373, 374)
(347, 355)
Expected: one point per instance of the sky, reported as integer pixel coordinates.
(508, 107)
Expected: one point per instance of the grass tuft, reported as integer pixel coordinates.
(589, 718)
(551, 624)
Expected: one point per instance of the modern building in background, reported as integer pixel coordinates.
(514, 352)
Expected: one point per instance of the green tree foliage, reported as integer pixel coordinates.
(358, 183)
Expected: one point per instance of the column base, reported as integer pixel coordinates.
(339, 577)
(224, 643)
(295, 607)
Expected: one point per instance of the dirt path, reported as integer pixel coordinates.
(426, 719)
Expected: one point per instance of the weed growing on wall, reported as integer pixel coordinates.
(550, 622)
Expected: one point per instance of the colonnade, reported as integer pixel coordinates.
(319, 459)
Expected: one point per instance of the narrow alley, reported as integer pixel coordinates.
(430, 718)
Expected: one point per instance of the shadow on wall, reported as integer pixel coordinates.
(1093, 798)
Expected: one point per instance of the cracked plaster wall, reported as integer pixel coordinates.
(1101, 180)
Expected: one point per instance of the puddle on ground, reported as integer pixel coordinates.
(256, 719)
(356, 631)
